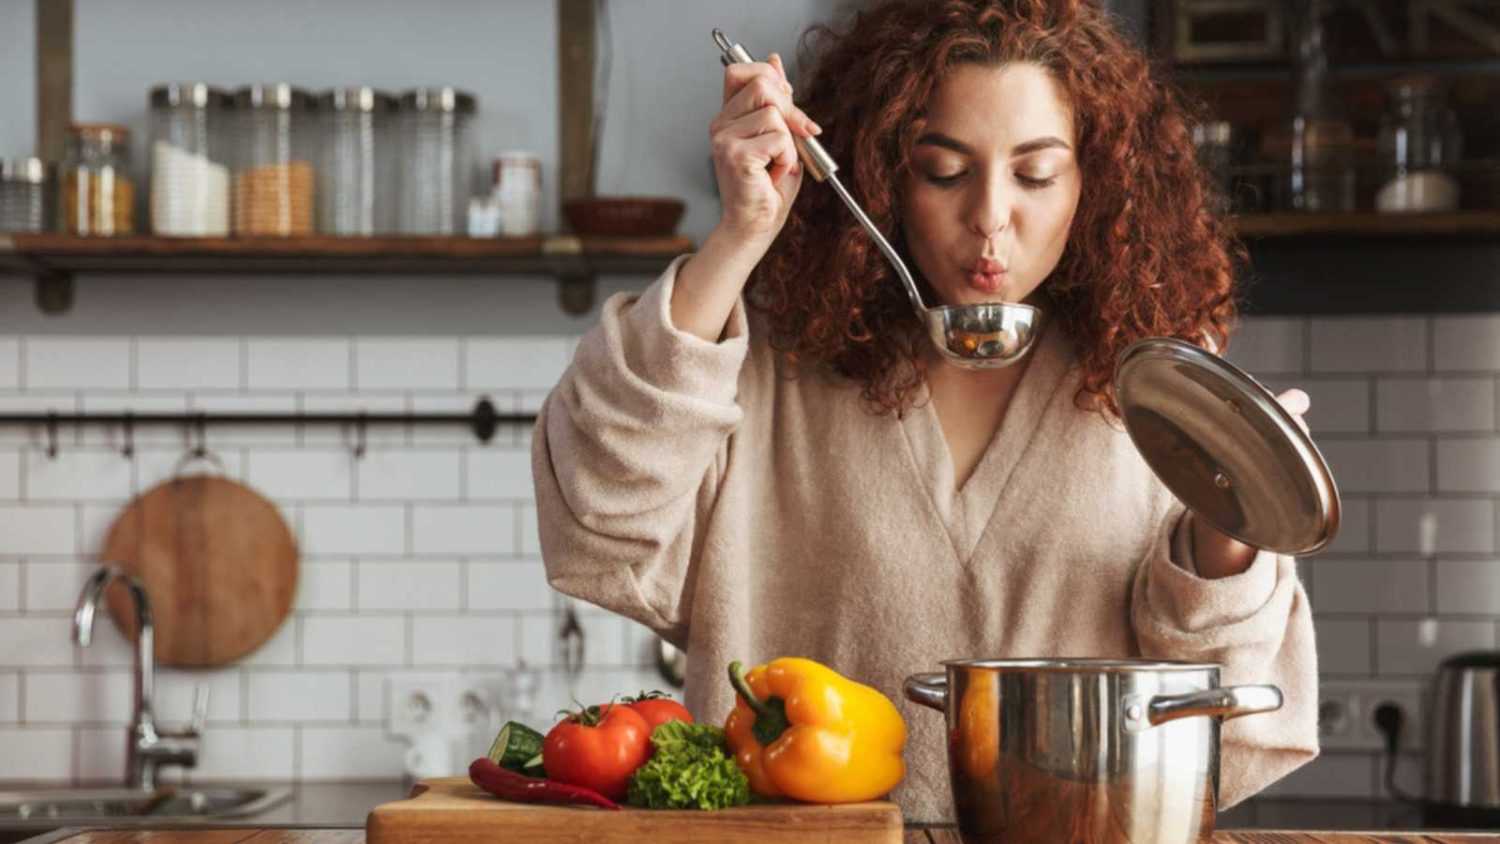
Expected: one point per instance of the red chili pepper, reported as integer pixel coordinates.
(510, 785)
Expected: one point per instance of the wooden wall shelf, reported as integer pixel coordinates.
(574, 261)
(1475, 224)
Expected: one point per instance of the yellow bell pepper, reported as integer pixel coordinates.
(800, 730)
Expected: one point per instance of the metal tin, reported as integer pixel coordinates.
(1226, 447)
(26, 192)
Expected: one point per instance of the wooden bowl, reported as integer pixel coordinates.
(624, 216)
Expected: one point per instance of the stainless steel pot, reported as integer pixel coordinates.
(1085, 750)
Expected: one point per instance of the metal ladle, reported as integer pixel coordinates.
(984, 336)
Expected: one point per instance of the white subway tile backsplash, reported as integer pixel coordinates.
(538, 645)
(10, 363)
(10, 475)
(354, 640)
(286, 475)
(531, 543)
(10, 697)
(175, 689)
(1354, 526)
(1430, 526)
(1339, 406)
(1468, 465)
(1416, 647)
(1371, 586)
(1344, 645)
(487, 530)
(425, 475)
(354, 529)
(519, 585)
(109, 649)
(45, 641)
(54, 586)
(1466, 343)
(36, 754)
(427, 586)
(351, 753)
(406, 364)
(77, 475)
(325, 585)
(188, 363)
(1435, 404)
(278, 651)
(479, 640)
(1468, 586)
(299, 696)
(77, 362)
(38, 529)
(10, 587)
(101, 755)
(1395, 465)
(516, 363)
(500, 474)
(1369, 345)
(96, 697)
(247, 753)
(288, 363)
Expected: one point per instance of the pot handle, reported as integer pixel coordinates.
(930, 690)
(1142, 712)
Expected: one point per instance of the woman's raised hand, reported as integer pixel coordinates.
(755, 159)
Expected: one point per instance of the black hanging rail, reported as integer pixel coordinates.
(483, 420)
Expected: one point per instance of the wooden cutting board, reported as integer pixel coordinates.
(218, 562)
(454, 809)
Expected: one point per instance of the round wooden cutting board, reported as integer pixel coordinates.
(218, 562)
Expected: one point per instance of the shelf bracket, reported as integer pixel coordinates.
(54, 292)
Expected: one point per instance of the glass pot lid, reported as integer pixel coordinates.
(1225, 447)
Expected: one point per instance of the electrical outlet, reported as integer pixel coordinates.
(419, 704)
(1346, 713)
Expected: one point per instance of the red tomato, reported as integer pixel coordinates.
(660, 710)
(598, 749)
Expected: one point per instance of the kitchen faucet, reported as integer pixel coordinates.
(147, 748)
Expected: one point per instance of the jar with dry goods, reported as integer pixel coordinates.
(438, 171)
(356, 171)
(26, 189)
(189, 160)
(1420, 144)
(274, 187)
(96, 194)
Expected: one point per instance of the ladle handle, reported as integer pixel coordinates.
(817, 160)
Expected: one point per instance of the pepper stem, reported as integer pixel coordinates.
(742, 688)
(770, 715)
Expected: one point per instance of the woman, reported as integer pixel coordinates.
(762, 455)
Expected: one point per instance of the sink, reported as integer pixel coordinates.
(128, 806)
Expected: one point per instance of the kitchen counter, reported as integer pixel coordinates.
(291, 835)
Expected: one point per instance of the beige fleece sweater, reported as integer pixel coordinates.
(746, 515)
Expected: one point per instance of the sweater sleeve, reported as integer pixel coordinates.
(627, 453)
(1258, 626)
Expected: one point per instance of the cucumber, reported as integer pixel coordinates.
(533, 767)
(515, 746)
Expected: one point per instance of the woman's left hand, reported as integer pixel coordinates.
(1219, 555)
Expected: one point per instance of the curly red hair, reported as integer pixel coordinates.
(1148, 254)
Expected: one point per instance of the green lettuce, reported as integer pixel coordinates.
(690, 769)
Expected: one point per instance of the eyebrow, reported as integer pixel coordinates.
(940, 140)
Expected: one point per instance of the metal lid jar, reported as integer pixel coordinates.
(274, 179)
(26, 188)
(356, 172)
(438, 171)
(1419, 146)
(96, 193)
(189, 160)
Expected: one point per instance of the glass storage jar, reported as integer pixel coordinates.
(356, 176)
(438, 171)
(26, 189)
(189, 160)
(274, 180)
(96, 194)
(1419, 147)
